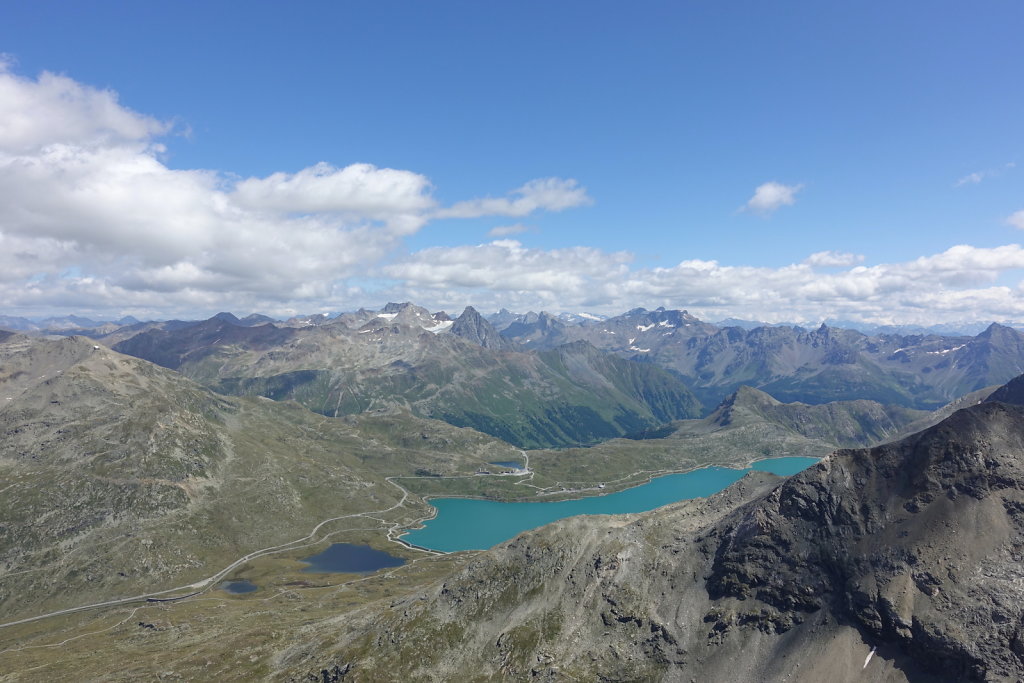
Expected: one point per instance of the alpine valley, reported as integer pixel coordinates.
(145, 464)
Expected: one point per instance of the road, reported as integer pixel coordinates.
(204, 584)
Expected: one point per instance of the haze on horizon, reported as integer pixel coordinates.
(783, 163)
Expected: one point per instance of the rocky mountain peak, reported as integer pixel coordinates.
(472, 327)
(997, 333)
(227, 317)
(744, 398)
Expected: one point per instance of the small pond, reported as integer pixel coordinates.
(348, 558)
(238, 587)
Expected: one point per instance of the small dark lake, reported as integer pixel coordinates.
(238, 587)
(510, 464)
(349, 558)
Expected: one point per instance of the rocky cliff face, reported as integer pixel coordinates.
(901, 562)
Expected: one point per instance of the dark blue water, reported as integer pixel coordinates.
(350, 559)
(465, 524)
(238, 586)
(510, 464)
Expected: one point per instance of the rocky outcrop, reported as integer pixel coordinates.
(903, 541)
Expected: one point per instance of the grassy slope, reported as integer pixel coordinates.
(121, 477)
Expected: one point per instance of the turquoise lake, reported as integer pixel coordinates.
(467, 524)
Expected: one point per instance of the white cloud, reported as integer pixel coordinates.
(361, 190)
(1016, 219)
(92, 220)
(833, 258)
(957, 284)
(548, 194)
(506, 230)
(508, 266)
(89, 211)
(771, 196)
(56, 109)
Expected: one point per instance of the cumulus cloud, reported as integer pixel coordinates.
(547, 194)
(882, 293)
(1016, 219)
(90, 211)
(771, 196)
(574, 273)
(960, 283)
(400, 198)
(93, 220)
(833, 258)
(56, 109)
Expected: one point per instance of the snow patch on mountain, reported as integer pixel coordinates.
(440, 327)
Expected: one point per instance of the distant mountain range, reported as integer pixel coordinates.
(919, 369)
(793, 363)
(73, 324)
(61, 324)
(460, 371)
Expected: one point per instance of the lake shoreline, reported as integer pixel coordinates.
(652, 476)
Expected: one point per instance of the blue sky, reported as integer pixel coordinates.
(882, 135)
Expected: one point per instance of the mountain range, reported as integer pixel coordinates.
(922, 370)
(460, 371)
(790, 363)
(896, 563)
